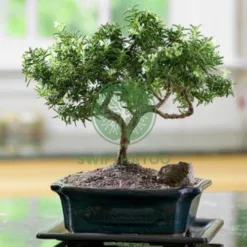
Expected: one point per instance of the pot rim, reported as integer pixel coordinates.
(60, 187)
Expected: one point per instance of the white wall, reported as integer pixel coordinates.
(213, 128)
(217, 19)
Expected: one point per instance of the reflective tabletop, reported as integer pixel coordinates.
(22, 218)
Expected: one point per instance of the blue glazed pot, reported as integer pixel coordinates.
(166, 211)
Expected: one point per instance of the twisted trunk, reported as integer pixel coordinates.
(122, 154)
(124, 143)
(125, 139)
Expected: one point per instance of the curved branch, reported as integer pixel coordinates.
(188, 113)
(167, 95)
(133, 123)
(131, 48)
(157, 96)
(162, 101)
(107, 101)
(111, 115)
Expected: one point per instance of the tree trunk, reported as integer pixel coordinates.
(122, 154)
(125, 139)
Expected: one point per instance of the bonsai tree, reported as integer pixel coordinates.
(153, 61)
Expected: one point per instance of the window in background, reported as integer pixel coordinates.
(16, 18)
(118, 7)
(83, 15)
(76, 14)
(30, 23)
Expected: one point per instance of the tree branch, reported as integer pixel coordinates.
(107, 100)
(188, 113)
(137, 116)
(167, 95)
(133, 123)
(131, 48)
(157, 96)
(111, 115)
(162, 102)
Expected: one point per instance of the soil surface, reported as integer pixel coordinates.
(129, 176)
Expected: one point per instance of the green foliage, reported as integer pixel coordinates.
(160, 7)
(179, 61)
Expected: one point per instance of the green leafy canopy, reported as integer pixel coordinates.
(164, 61)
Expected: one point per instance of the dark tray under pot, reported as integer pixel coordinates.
(201, 232)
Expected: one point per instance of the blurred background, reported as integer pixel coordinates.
(36, 148)
(214, 138)
(27, 127)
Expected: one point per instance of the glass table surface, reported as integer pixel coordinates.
(22, 218)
